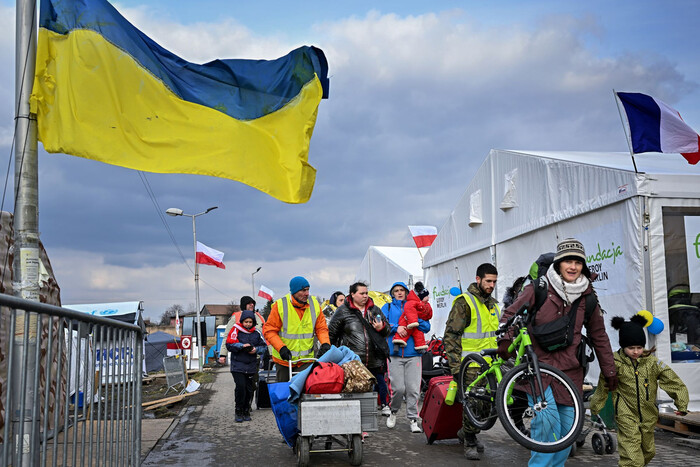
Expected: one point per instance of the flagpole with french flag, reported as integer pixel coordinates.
(653, 126)
(423, 236)
(265, 293)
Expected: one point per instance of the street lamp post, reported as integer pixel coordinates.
(178, 212)
(252, 280)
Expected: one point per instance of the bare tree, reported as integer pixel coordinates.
(169, 313)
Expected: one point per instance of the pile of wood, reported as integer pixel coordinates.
(152, 405)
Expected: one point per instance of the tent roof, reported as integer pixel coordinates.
(650, 163)
(161, 337)
(516, 192)
(108, 309)
(384, 265)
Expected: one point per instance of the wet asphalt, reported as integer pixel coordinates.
(208, 436)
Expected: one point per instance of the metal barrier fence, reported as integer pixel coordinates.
(70, 387)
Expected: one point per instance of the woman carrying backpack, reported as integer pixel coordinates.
(568, 281)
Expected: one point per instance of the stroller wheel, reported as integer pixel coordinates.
(598, 443)
(580, 442)
(610, 443)
(572, 451)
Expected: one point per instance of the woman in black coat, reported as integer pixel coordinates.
(361, 326)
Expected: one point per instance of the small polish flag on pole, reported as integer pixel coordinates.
(423, 235)
(206, 255)
(265, 293)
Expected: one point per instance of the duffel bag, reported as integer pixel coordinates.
(325, 378)
(357, 377)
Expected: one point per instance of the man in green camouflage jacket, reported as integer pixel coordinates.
(471, 327)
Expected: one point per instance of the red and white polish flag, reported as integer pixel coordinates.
(423, 235)
(265, 293)
(206, 255)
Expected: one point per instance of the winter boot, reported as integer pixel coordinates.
(239, 417)
(471, 452)
(246, 418)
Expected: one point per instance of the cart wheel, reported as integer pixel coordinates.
(610, 443)
(302, 446)
(572, 451)
(355, 452)
(598, 443)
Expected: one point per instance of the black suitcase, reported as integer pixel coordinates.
(262, 395)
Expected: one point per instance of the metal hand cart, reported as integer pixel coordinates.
(334, 423)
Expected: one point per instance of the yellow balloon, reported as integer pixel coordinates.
(648, 316)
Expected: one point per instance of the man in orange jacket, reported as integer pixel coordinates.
(290, 328)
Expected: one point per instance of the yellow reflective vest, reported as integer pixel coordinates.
(481, 332)
(297, 334)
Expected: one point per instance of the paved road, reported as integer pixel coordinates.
(207, 436)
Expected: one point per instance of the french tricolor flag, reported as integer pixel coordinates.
(206, 255)
(423, 235)
(265, 293)
(656, 127)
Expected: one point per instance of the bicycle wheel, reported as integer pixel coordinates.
(478, 403)
(543, 421)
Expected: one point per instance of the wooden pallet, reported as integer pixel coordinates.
(688, 425)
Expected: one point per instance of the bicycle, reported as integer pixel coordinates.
(529, 392)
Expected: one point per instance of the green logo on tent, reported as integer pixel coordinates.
(697, 246)
(605, 253)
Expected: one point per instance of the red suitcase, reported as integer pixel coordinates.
(440, 421)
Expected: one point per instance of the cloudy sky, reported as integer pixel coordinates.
(420, 91)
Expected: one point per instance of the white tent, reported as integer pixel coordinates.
(384, 265)
(114, 359)
(520, 204)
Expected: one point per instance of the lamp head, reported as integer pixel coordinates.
(211, 209)
(174, 212)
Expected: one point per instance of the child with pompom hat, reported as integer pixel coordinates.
(640, 374)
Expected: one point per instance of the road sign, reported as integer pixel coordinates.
(186, 342)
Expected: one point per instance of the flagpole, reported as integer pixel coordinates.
(624, 128)
(178, 212)
(25, 263)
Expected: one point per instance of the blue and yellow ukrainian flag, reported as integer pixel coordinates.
(105, 91)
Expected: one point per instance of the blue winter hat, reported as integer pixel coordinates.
(297, 283)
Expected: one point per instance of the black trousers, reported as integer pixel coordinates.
(245, 386)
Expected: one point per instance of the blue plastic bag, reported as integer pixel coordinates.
(286, 414)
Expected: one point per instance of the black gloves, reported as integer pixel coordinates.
(324, 348)
(503, 349)
(612, 382)
(285, 353)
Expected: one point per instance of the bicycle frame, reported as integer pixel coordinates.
(522, 345)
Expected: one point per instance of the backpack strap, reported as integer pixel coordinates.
(591, 302)
(541, 286)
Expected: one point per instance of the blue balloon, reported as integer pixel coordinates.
(656, 326)
(455, 291)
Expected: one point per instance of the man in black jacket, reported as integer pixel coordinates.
(360, 325)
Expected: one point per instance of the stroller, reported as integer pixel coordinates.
(602, 441)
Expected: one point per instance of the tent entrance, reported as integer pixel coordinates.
(682, 246)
